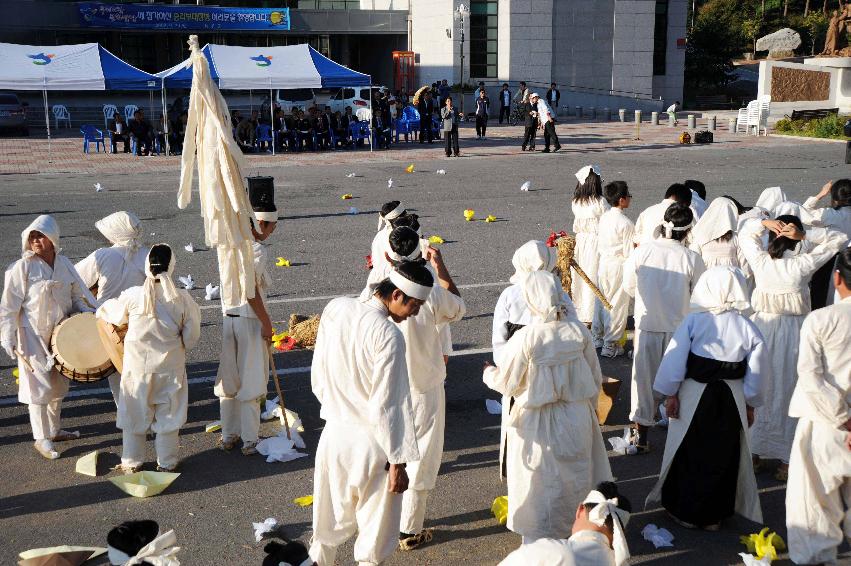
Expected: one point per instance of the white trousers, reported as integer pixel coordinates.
(133, 449)
(242, 377)
(44, 419)
(413, 510)
(240, 419)
(818, 493)
(646, 358)
(350, 496)
(115, 386)
(612, 322)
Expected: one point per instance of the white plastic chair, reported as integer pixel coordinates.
(764, 110)
(128, 112)
(61, 114)
(742, 120)
(109, 111)
(363, 114)
(753, 116)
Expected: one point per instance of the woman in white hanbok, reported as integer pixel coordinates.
(41, 289)
(555, 452)
(588, 206)
(836, 216)
(714, 236)
(781, 301)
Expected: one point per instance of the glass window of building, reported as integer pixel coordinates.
(660, 38)
(483, 39)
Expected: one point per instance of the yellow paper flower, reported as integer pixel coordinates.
(469, 214)
(764, 543)
(435, 240)
(409, 168)
(346, 196)
(490, 218)
(282, 262)
(17, 375)
(305, 501)
(499, 508)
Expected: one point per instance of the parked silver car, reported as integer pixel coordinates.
(13, 113)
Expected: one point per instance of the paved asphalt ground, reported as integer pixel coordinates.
(212, 504)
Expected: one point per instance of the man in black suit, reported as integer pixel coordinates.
(530, 112)
(142, 132)
(553, 96)
(426, 110)
(118, 132)
(323, 130)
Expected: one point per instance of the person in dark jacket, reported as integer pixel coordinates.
(141, 131)
(552, 97)
(426, 110)
(118, 133)
(450, 118)
(483, 104)
(530, 112)
(504, 103)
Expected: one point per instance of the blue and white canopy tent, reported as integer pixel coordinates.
(259, 68)
(86, 66)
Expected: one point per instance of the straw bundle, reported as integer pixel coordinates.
(303, 329)
(566, 247)
(419, 93)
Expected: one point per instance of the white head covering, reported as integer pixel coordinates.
(544, 296)
(720, 289)
(122, 229)
(392, 215)
(721, 217)
(770, 199)
(534, 95)
(582, 174)
(603, 509)
(534, 255)
(150, 288)
(795, 209)
(45, 224)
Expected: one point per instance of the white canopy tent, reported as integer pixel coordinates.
(86, 66)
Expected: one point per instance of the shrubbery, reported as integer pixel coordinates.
(832, 126)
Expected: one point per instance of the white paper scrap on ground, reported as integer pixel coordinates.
(280, 448)
(351, 175)
(659, 537)
(441, 171)
(493, 407)
(99, 188)
(389, 183)
(187, 282)
(751, 560)
(189, 248)
(526, 186)
(211, 292)
(622, 444)
(266, 526)
(353, 210)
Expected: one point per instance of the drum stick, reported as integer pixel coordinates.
(594, 288)
(274, 372)
(23, 359)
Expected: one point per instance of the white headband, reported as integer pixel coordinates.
(582, 174)
(604, 508)
(416, 254)
(392, 215)
(413, 290)
(669, 228)
(266, 216)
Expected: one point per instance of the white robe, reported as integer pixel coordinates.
(586, 218)
(827, 217)
(153, 384)
(35, 299)
(552, 371)
(660, 274)
(650, 219)
(584, 548)
(698, 205)
(360, 378)
(614, 245)
(819, 487)
(781, 300)
(728, 337)
(113, 274)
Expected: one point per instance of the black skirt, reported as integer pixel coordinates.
(701, 484)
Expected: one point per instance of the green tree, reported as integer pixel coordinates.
(714, 41)
(816, 24)
(751, 27)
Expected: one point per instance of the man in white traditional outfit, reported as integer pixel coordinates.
(712, 376)
(819, 489)
(163, 322)
(651, 217)
(660, 274)
(597, 537)
(360, 377)
(390, 211)
(246, 334)
(40, 290)
(512, 313)
(108, 272)
(614, 245)
(551, 369)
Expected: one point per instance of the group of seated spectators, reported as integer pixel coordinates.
(144, 137)
(299, 131)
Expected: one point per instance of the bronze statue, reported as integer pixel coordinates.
(834, 32)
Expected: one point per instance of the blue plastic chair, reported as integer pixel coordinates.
(264, 134)
(92, 134)
(408, 122)
(359, 131)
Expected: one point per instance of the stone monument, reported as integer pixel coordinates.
(782, 43)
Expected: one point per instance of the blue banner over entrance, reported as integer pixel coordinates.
(153, 16)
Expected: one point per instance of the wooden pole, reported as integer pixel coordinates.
(274, 371)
